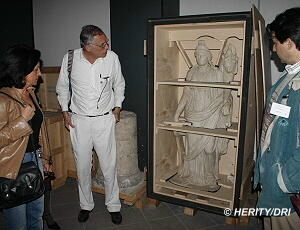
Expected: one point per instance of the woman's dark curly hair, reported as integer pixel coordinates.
(16, 63)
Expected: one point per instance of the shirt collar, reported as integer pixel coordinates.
(292, 69)
(84, 59)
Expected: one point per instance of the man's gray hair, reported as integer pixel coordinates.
(87, 34)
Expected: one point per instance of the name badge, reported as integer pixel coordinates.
(280, 110)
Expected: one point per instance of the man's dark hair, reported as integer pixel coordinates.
(87, 34)
(16, 63)
(287, 25)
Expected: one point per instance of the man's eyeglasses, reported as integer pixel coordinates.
(102, 45)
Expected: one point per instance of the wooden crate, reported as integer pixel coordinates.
(46, 89)
(56, 130)
(136, 197)
(69, 156)
(171, 45)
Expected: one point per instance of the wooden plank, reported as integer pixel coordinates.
(243, 220)
(202, 131)
(189, 211)
(184, 55)
(168, 174)
(47, 91)
(132, 197)
(262, 71)
(72, 173)
(224, 194)
(129, 199)
(215, 203)
(138, 203)
(55, 129)
(166, 67)
(235, 85)
(230, 220)
(152, 202)
(192, 31)
(51, 69)
(262, 44)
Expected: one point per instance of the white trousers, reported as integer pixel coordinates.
(97, 133)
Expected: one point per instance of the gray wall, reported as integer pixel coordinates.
(190, 7)
(57, 25)
(268, 8)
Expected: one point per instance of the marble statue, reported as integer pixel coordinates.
(205, 107)
(228, 63)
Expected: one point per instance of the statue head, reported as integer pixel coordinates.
(229, 59)
(202, 54)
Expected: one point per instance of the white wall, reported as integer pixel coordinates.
(268, 8)
(190, 7)
(57, 25)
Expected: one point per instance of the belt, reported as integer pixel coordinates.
(98, 115)
(95, 115)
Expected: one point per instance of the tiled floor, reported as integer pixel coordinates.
(166, 216)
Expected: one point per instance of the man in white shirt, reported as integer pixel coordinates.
(94, 95)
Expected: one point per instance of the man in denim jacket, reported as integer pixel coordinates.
(277, 167)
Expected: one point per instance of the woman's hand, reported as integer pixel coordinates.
(46, 167)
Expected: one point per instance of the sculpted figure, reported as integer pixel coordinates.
(204, 107)
(228, 66)
(228, 63)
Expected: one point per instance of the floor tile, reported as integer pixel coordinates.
(137, 226)
(198, 221)
(99, 220)
(176, 209)
(62, 197)
(99, 201)
(168, 223)
(219, 227)
(216, 218)
(132, 216)
(152, 213)
(65, 208)
(99, 197)
(65, 211)
(254, 224)
(68, 223)
(1, 221)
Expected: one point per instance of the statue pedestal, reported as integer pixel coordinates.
(130, 178)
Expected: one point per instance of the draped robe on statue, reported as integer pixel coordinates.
(204, 107)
